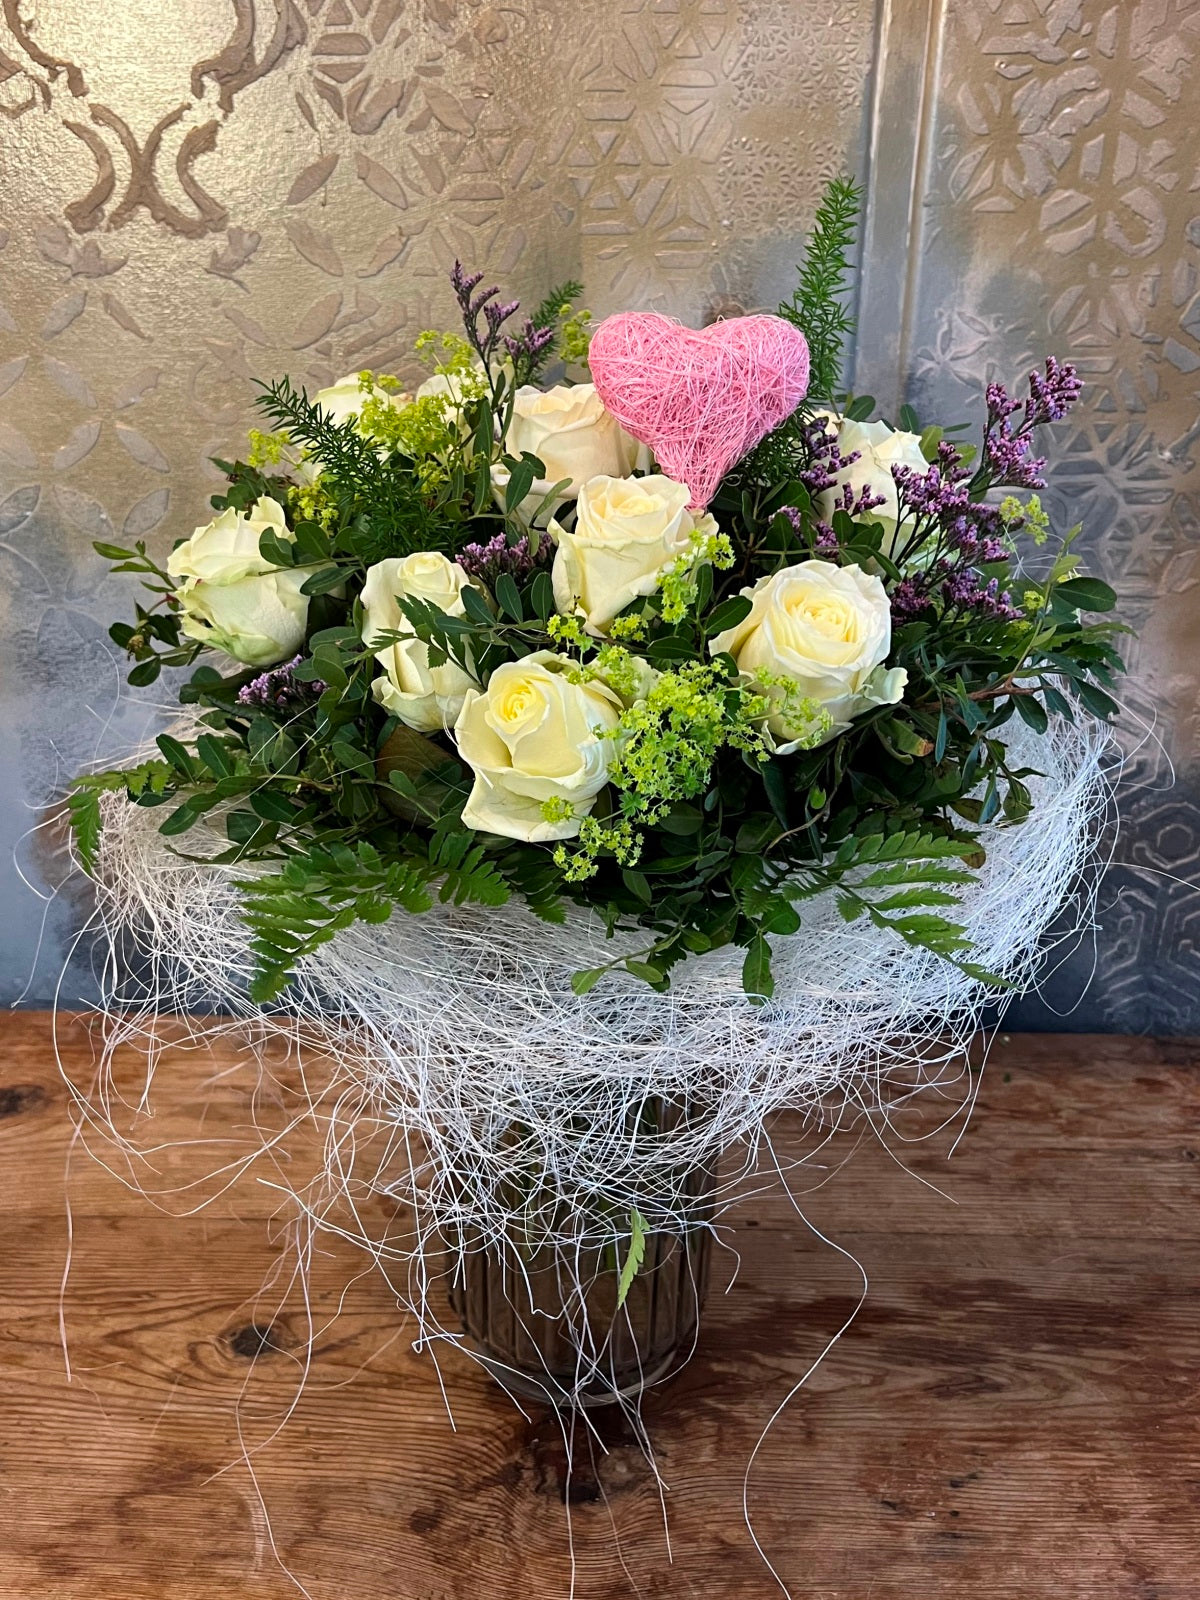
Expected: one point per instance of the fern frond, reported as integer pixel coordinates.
(83, 802)
(819, 308)
(317, 892)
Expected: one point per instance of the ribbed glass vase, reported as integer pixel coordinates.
(546, 1321)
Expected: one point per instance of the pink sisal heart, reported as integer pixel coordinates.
(699, 398)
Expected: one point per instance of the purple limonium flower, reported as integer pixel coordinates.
(487, 561)
(526, 346)
(1008, 438)
(964, 590)
(826, 545)
(826, 459)
(910, 598)
(278, 689)
(472, 301)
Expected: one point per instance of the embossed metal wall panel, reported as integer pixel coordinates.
(1035, 189)
(196, 194)
(192, 196)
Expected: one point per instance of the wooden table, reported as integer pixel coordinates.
(1012, 1416)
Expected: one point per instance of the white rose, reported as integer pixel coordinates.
(346, 398)
(427, 698)
(826, 632)
(574, 438)
(627, 531)
(879, 449)
(234, 600)
(534, 736)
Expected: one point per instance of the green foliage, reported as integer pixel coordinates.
(554, 306)
(818, 306)
(379, 508)
(321, 889)
(147, 784)
(635, 1255)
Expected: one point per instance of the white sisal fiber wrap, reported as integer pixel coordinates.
(459, 1031)
(455, 1059)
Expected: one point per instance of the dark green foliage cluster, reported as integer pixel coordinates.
(347, 815)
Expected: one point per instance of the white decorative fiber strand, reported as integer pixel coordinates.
(459, 1033)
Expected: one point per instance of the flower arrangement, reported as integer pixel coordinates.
(613, 740)
(507, 654)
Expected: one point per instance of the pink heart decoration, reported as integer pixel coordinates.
(700, 398)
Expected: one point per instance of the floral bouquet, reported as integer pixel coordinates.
(602, 765)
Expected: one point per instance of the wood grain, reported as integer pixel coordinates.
(1013, 1414)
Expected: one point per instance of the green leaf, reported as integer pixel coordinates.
(181, 819)
(917, 896)
(273, 806)
(644, 970)
(312, 543)
(682, 820)
(638, 885)
(484, 431)
(279, 552)
(775, 784)
(508, 597)
(522, 475)
(634, 1257)
(83, 812)
(177, 756)
(1095, 699)
(1057, 702)
(145, 672)
(475, 606)
(983, 975)
(586, 980)
(542, 596)
(323, 581)
(728, 614)
(903, 737)
(246, 829)
(1086, 594)
(214, 755)
(670, 647)
(943, 734)
(781, 918)
(1031, 711)
(757, 978)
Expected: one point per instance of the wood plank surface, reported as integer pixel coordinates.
(1012, 1416)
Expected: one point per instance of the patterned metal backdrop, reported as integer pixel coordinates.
(193, 196)
(1040, 159)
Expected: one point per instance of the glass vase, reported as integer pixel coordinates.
(546, 1321)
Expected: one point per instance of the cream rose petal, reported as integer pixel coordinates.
(425, 698)
(259, 620)
(627, 532)
(825, 631)
(535, 735)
